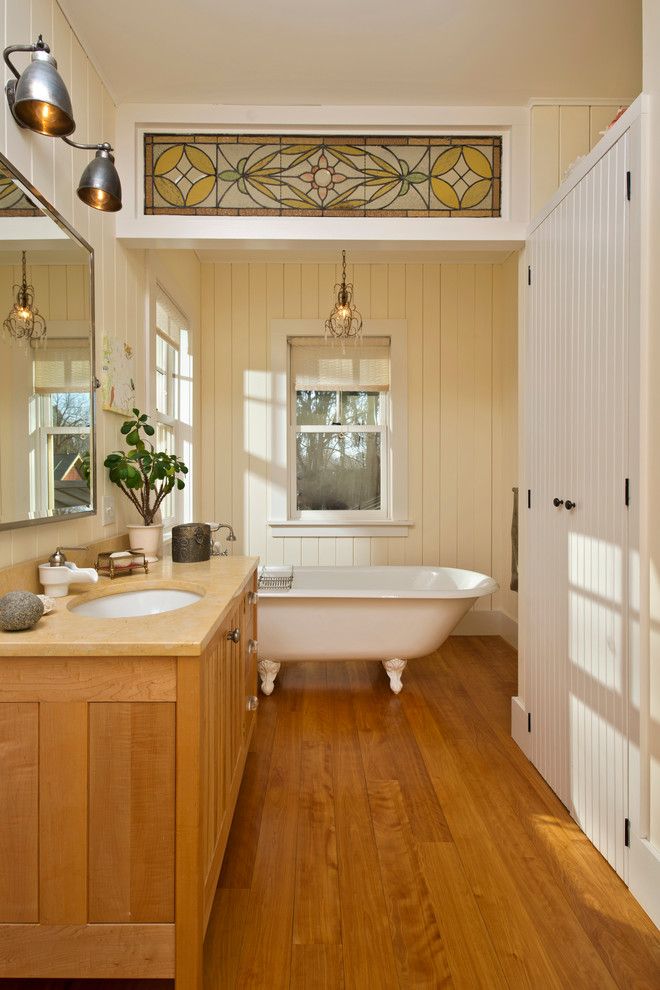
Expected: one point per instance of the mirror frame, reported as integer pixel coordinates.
(94, 383)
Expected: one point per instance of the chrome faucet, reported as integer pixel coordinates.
(231, 538)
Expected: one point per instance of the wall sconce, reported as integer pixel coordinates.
(39, 100)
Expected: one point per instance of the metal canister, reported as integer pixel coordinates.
(191, 543)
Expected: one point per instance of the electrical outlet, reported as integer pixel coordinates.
(108, 510)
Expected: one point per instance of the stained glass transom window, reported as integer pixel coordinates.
(248, 175)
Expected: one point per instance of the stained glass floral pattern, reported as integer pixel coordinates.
(250, 175)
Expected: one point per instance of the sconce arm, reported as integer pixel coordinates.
(38, 46)
(103, 146)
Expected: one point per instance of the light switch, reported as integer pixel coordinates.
(108, 510)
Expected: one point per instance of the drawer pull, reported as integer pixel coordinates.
(252, 703)
(253, 646)
(234, 635)
(252, 597)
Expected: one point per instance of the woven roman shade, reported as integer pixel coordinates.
(62, 366)
(363, 367)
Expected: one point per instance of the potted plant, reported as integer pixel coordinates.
(146, 477)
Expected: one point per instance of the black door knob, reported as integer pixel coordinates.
(557, 502)
(569, 505)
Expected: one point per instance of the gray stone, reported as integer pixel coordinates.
(20, 610)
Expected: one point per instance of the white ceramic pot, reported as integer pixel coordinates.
(147, 539)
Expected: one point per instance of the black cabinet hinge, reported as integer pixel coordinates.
(529, 721)
(627, 492)
(529, 498)
(529, 274)
(628, 186)
(626, 833)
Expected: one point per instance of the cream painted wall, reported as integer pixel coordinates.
(54, 169)
(462, 407)
(558, 135)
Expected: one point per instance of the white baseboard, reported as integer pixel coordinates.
(644, 875)
(519, 723)
(487, 623)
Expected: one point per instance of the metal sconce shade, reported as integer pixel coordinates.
(99, 185)
(39, 99)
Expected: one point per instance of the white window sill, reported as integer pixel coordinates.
(318, 527)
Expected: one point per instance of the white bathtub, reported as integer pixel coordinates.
(391, 614)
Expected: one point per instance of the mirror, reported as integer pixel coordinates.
(46, 361)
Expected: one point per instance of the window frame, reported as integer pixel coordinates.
(183, 432)
(283, 517)
(346, 515)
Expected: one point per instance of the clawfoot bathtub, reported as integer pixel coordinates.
(391, 614)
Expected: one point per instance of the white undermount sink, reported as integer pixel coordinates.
(127, 604)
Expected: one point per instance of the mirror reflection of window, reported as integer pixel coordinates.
(46, 402)
(62, 421)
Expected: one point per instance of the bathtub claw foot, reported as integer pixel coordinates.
(394, 670)
(268, 670)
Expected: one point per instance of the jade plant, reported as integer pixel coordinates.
(145, 475)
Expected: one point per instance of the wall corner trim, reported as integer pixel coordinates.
(519, 731)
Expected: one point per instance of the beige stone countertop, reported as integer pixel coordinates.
(182, 632)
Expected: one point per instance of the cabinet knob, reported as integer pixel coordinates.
(569, 505)
(557, 502)
(234, 635)
(252, 597)
(252, 703)
(253, 646)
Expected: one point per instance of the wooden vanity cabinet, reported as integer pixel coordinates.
(118, 782)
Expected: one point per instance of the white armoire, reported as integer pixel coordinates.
(579, 488)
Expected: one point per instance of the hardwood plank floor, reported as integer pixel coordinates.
(395, 842)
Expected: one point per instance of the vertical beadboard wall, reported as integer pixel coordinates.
(54, 168)
(559, 134)
(462, 410)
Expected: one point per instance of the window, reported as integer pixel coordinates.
(339, 428)
(174, 399)
(337, 431)
(61, 373)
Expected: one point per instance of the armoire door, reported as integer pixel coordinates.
(576, 451)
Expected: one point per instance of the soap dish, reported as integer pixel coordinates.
(48, 603)
(115, 563)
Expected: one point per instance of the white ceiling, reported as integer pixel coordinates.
(361, 52)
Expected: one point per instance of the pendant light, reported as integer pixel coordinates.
(344, 322)
(24, 321)
(38, 100)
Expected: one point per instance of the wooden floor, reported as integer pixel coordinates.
(395, 842)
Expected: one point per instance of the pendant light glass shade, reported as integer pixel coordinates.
(99, 185)
(38, 98)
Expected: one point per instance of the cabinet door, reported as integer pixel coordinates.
(543, 591)
(250, 645)
(574, 601)
(597, 534)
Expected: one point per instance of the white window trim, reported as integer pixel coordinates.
(279, 520)
(181, 430)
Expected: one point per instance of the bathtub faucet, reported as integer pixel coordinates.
(231, 538)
